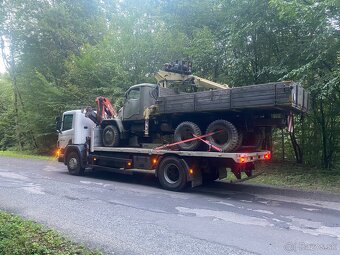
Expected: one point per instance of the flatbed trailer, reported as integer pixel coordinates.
(174, 169)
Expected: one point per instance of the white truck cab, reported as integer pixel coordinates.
(73, 129)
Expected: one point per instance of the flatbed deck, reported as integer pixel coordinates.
(238, 157)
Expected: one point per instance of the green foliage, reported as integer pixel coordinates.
(25, 154)
(7, 136)
(292, 175)
(63, 54)
(21, 237)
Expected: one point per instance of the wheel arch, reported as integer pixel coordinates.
(184, 161)
(80, 149)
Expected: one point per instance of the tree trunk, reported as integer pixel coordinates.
(325, 156)
(16, 115)
(296, 147)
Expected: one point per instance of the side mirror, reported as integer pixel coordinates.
(58, 124)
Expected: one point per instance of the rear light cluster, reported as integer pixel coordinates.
(267, 155)
(244, 158)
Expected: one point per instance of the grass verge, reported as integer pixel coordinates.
(291, 175)
(24, 237)
(24, 154)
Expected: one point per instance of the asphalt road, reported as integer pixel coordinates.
(133, 215)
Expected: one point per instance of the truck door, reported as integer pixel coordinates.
(67, 131)
(131, 110)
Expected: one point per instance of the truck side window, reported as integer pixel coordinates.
(134, 94)
(67, 122)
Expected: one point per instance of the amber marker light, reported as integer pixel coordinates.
(242, 159)
(191, 171)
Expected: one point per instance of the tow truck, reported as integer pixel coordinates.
(80, 147)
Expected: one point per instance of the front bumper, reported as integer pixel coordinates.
(61, 158)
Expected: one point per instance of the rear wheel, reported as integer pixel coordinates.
(74, 164)
(226, 137)
(172, 173)
(111, 136)
(240, 141)
(254, 139)
(184, 131)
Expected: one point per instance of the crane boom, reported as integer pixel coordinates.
(179, 73)
(105, 110)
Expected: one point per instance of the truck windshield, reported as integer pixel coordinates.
(67, 122)
(134, 94)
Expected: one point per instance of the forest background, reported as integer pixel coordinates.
(61, 54)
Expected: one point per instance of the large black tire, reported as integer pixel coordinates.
(254, 139)
(172, 173)
(74, 164)
(184, 131)
(227, 138)
(259, 138)
(240, 140)
(111, 136)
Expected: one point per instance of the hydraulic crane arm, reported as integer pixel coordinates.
(179, 72)
(105, 110)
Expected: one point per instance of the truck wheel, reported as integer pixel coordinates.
(227, 137)
(74, 164)
(240, 141)
(111, 136)
(172, 174)
(259, 137)
(184, 131)
(254, 139)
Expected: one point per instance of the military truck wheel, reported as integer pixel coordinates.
(240, 140)
(185, 131)
(254, 139)
(172, 173)
(226, 137)
(73, 164)
(111, 136)
(259, 137)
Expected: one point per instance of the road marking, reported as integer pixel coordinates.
(13, 176)
(224, 203)
(95, 183)
(311, 209)
(34, 190)
(262, 211)
(227, 216)
(303, 201)
(314, 228)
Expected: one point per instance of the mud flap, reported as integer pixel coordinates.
(222, 173)
(249, 169)
(196, 178)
